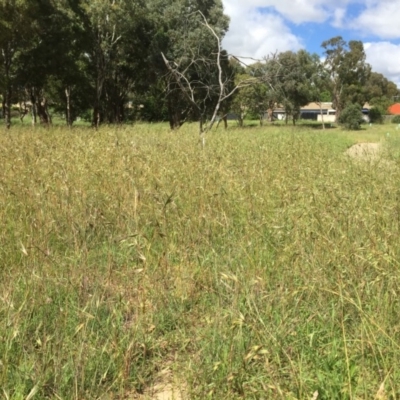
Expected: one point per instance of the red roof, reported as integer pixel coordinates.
(394, 109)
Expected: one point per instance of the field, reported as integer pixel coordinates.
(266, 266)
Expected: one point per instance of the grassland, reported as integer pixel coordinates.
(265, 266)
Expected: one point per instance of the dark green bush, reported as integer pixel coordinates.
(351, 117)
(396, 119)
(375, 115)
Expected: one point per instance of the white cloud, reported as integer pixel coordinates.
(296, 11)
(380, 18)
(384, 58)
(338, 17)
(299, 11)
(260, 27)
(256, 35)
(256, 31)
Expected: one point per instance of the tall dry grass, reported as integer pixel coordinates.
(265, 266)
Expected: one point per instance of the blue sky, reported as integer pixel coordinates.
(261, 27)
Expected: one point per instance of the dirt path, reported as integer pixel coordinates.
(167, 387)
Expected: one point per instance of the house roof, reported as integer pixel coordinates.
(316, 106)
(313, 106)
(394, 109)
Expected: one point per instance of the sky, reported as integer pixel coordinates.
(259, 28)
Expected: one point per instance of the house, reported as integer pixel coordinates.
(311, 111)
(394, 109)
(365, 112)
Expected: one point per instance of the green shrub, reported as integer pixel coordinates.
(351, 117)
(396, 119)
(375, 115)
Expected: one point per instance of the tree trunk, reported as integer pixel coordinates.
(295, 116)
(34, 107)
(7, 54)
(240, 120)
(68, 115)
(322, 115)
(97, 109)
(96, 117)
(337, 102)
(202, 131)
(39, 108)
(176, 117)
(119, 111)
(49, 119)
(271, 108)
(7, 107)
(117, 114)
(270, 115)
(23, 110)
(225, 119)
(43, 111)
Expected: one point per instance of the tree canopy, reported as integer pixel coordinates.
(105, 61)
(348, 71)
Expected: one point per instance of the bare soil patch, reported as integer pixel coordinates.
(364, 150)
(167, 387)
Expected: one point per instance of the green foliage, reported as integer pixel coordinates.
(378, 88)
(396, 119)
(282, 79)
(186, 42)
(375, 115)
(242, 101)
(325, 96)
(381, 103)
(348, 70)
(75, 57)
(351, 117)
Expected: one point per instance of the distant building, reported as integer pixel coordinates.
(313, 111)
(394, 109)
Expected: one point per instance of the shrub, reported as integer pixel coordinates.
(396, 119)
(351, 117)
(375, 115)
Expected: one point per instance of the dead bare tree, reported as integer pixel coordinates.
(207, 84)
(213, 86)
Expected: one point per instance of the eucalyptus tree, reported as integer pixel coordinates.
(242, 100)
(381, 92)
(188, 35)
(68, 82)
(53, 56)
(41, 47)
(266, 95)
(348, 71)
(319, 84)
(16, 30)
(293, 81)
(119, 35)
(379, 86)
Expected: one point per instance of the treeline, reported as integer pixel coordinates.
(102, 60)
(296, 79)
